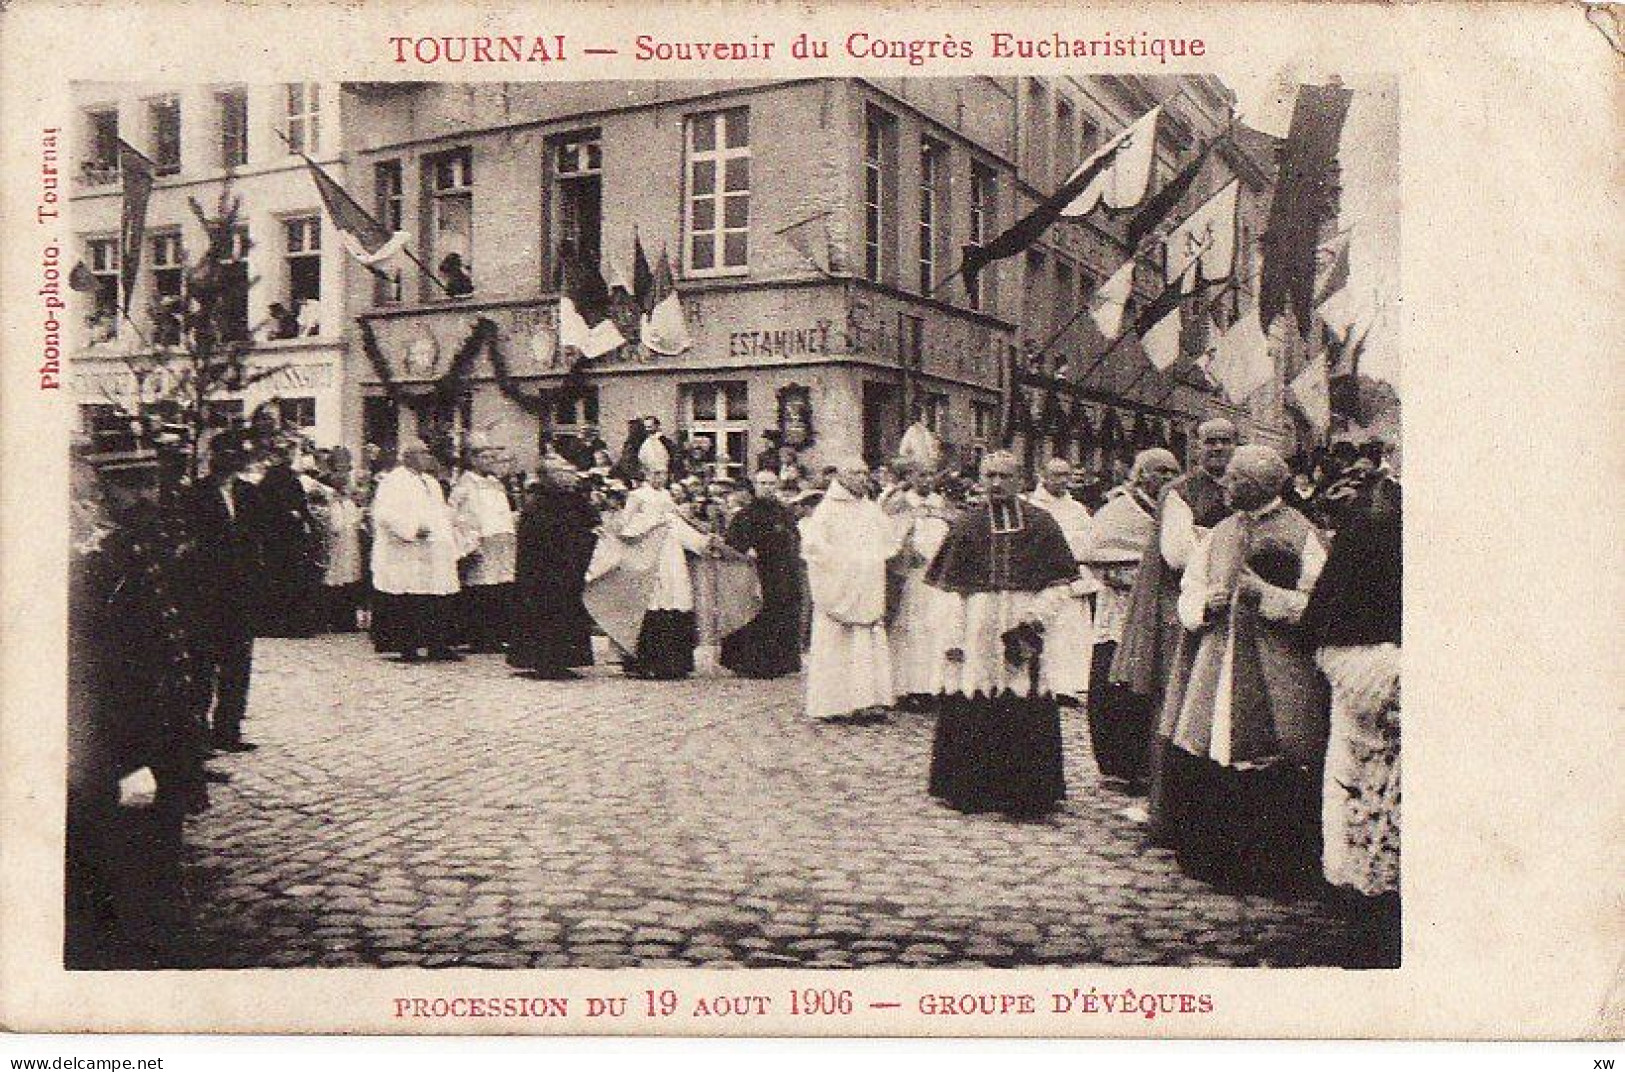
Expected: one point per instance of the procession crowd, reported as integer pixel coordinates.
(1230, 633)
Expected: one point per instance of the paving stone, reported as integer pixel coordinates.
(396, 815)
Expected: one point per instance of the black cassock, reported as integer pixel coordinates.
(552, 630)
(770, 644)
(290, 575)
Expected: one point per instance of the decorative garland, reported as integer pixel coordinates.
(446, 389)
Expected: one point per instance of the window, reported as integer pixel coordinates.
(1066, 297)
(879, 196)
(1066, 146)
(164, 120)
(297, 412)
(933, 218)
(101, 158)
(984, 185)
(718, 204)
(168, 285)
(389, 208)
(101, 255)
(95, 416)
(222, 412)
(910, 340)
(984, 417)
(1037, 130)
(934, 407)
(303, 236)
(578, 197)
(450, 180)
(573, 415)
(233, 310)
(716, 413)
(1035, 310)
(380, 421)
(304, 102)
(233, 106)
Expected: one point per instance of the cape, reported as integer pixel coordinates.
(1029, 560)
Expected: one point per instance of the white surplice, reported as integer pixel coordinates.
(653, 512)
(846, 542)
(1070, 643)
(404, 562)
(914, 633)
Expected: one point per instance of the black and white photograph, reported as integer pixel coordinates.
(788, 523)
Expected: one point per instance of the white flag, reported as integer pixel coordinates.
(1108, 303)
(1124, 183)
(663, 328)
(1241, 362)
(1206, 240)
(1161, 342)
(593, 341)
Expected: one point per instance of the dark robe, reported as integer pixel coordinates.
(552, 631)
(290, 576)
(1000, 751)
(1153, 643)
(228, 544)
(770, 645)
(135, 699)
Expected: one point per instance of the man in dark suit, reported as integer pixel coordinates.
(223, 512)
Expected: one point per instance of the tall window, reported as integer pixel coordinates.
(933, 215)
(450, 178)
(101, 157)
(303, 101)
(233, 106)
(1066, 295)
(718, 193)
(984, 201)
(1037, 130)
(168, 285)
(984, 417)
(1036, 313)
(716, 413)
(389, 208)
(1066, 134)
(164, 120)
(911, 340)
(578, 195)
(101, 254)
(303, 236)
(934, 408)
(879, 196)
(1091, 137)
(234, 272)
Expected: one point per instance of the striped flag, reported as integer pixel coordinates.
(139, 174)
(368, 241)
(663, 328)
(584, 307)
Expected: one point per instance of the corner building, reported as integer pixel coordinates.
(808, 224)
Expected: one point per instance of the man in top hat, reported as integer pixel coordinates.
(226, 519)
(486, 534)
(414, 560)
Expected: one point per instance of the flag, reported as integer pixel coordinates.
(1157, 208)
(1026, 230)
(584, 321)
(1241, 363)
(368, 241)
(1161, 331)
(643, 277)
(1332, 267)
(1107, 304)
(617, 278)
(1125, 183)
(664, 329)
(1311, 395)
(1306, 196)
(1343, 370)
(1202, 248)
(139, 174)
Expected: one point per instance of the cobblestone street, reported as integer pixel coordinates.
(441, 815)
